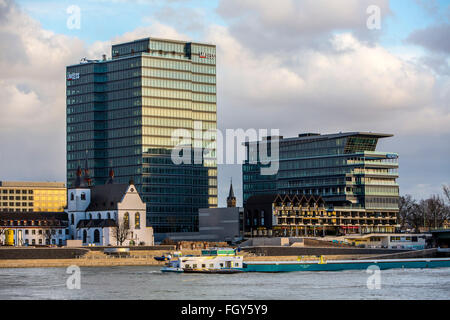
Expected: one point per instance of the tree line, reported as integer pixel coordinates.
(432, 213)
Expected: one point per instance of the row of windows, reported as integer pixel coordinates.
(17, 204)
(124, 84)
(123, 74)
(312, 163)
(124, 64)
(197, 48)
(180, 85)
(312, 172)
(178, 75)
(124, 103)
(123, 113)
(17, 191)
(177, 190)
(305, 183)
(123, 94)
(167, 46)
(373, 190)
(178, 65)
(80, 127)
(189, 105)
(86, 107)
(123, 49)
(17, 197)
(124, 142)
(125, 132)
(175, 181)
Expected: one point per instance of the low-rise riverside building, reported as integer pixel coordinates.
(390, 241)
(217, 224)
(305, 215)
(19, 196)
(103, 215)
(33, 228)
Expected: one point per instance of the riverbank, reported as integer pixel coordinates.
(143, 258)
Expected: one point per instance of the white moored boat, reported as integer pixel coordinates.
(214, 260)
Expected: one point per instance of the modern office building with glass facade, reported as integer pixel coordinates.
(356, 182)
(121, 114)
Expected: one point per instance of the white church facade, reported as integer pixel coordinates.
(107, 215)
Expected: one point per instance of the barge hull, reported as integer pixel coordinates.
(347, 265)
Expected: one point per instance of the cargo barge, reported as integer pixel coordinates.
(340, 265)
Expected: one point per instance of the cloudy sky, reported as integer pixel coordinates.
(296, 65)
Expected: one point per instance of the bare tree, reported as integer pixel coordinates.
(434, 212)
(2, 233)
(416, 217)
(121, 232)
(47, 235)
(446, 190)
(406, 207)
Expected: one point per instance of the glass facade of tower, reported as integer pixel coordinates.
(121, 114)
(345, 169)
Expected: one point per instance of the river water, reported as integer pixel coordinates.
(150, 283)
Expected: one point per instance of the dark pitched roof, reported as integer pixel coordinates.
(50, 218)
(106, 197)
(11, 215)
(96, 223)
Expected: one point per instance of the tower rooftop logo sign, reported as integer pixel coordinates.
(73, 76)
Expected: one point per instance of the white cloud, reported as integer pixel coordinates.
(296, 83)
(32, 91)
(356, 85)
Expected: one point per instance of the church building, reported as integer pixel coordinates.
(107, 215)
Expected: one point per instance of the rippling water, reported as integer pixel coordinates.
(150, 283)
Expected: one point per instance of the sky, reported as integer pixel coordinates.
(295, 65)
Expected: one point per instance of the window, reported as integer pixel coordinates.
(72, 219)
(83, 196)
(96, 236)
(72, 197)
(109, 215)
(137, 222)
(126, 220)
(99, 216)
(33, 241)
(84, 236)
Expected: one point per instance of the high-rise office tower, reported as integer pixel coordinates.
(122, 112)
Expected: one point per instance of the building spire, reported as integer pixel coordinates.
(87, 177)
(111, 177)
(78, 180)
(231, 200)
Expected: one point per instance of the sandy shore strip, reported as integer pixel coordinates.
(141, 258)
